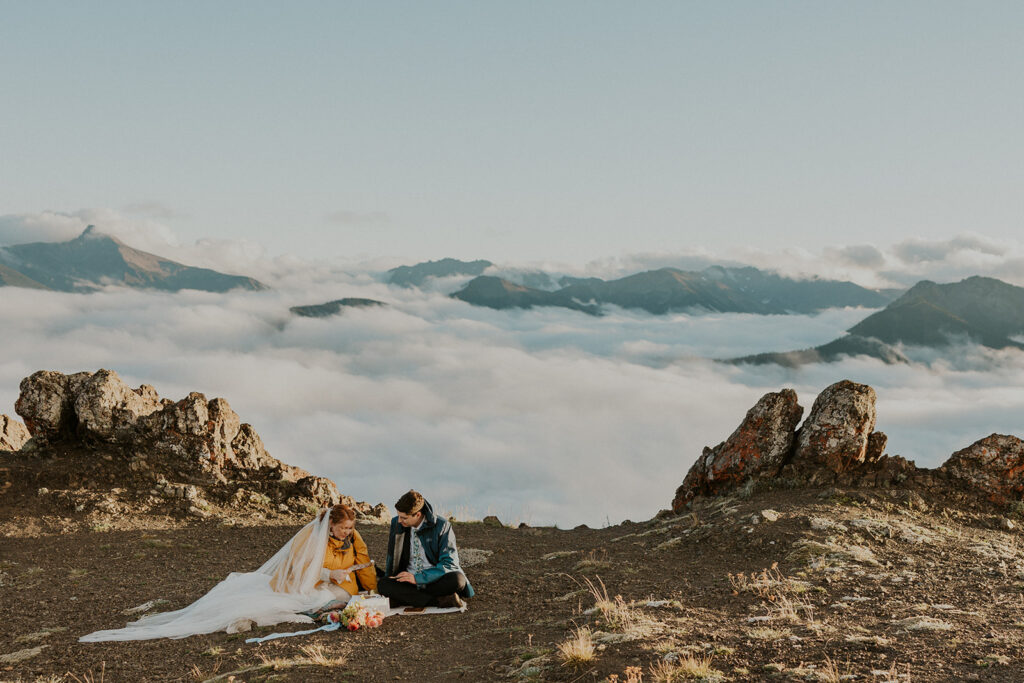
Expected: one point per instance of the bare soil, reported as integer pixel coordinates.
(875, 585)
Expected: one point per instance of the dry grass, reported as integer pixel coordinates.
(829, 672)
(768, 633)
(578, 649)
(767, 584)
(88, 677)
(315, 655)
(792, 610)
(593, 562)
(616, 613)
(686, 669)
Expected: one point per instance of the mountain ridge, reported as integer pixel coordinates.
(977, 309)
(94, 259)
(666, 290)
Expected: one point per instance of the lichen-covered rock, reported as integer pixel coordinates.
(222, 429)
(46, 403)
(249, 450)
(836, 433)
(994, 465)
(107, 409)
(13, 434)
(175, 445)
(376, 514)
(758, 447)
(876, 446)
(322, 490)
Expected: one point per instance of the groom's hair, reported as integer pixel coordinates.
(410, 503)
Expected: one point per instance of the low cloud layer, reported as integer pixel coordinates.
(544, 416)
(138, 230)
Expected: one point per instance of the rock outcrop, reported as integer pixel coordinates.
(757, 448)
(193, 449)
(13, 434)
(837, 431)
(838, 444)
(994, 465)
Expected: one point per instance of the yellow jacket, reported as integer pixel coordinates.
(337, 557)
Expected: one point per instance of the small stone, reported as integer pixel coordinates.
(492, 520)
(770, 515)
(43, 491)
(1007, 524)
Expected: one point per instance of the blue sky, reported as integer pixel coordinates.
(518, 131)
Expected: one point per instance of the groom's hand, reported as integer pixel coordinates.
(405, 577)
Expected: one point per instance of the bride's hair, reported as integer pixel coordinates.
(342, 512)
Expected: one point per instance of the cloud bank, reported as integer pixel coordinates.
(544, 416)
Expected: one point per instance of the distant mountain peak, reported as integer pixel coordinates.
(978, 309)
(95, 259)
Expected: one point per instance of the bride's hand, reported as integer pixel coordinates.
(339, 575)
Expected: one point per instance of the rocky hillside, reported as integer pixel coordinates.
(94, 259)
(797, 551)
(837, 445)
(91, 444)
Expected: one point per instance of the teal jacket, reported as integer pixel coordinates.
(438, 540)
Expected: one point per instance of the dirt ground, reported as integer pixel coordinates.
(866, 585)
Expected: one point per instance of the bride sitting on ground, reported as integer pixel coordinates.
(325, 562)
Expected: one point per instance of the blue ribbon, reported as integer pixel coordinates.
(326, 627)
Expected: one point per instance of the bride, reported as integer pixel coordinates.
(325, 562)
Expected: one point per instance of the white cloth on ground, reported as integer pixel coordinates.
(287, 584)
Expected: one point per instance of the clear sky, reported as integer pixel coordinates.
(518, 130)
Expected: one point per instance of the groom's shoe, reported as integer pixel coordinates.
(448, 601)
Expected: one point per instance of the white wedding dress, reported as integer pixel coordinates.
(285, 586)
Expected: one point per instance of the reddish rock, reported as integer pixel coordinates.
(994, 465)
(835, 437)
(757, 448)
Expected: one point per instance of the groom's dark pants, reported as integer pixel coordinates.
(402, 593)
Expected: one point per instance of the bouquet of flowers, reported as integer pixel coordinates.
(355, 617)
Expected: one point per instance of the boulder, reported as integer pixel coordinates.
(835, 437)
(249, 450)
(373, 514)
(46, 403)
(321, 490)
(994, 465)
(13, 434)
(758, 448)
(221, 430)
(107, 409)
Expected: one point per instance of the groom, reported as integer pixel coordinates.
(422, 568)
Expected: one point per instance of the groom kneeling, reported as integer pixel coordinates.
(422, 568)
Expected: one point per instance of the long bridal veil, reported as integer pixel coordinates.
(278, 591)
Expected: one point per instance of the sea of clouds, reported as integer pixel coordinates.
(544, 416)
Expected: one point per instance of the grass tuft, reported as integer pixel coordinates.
(578, 649)
(687, 668)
